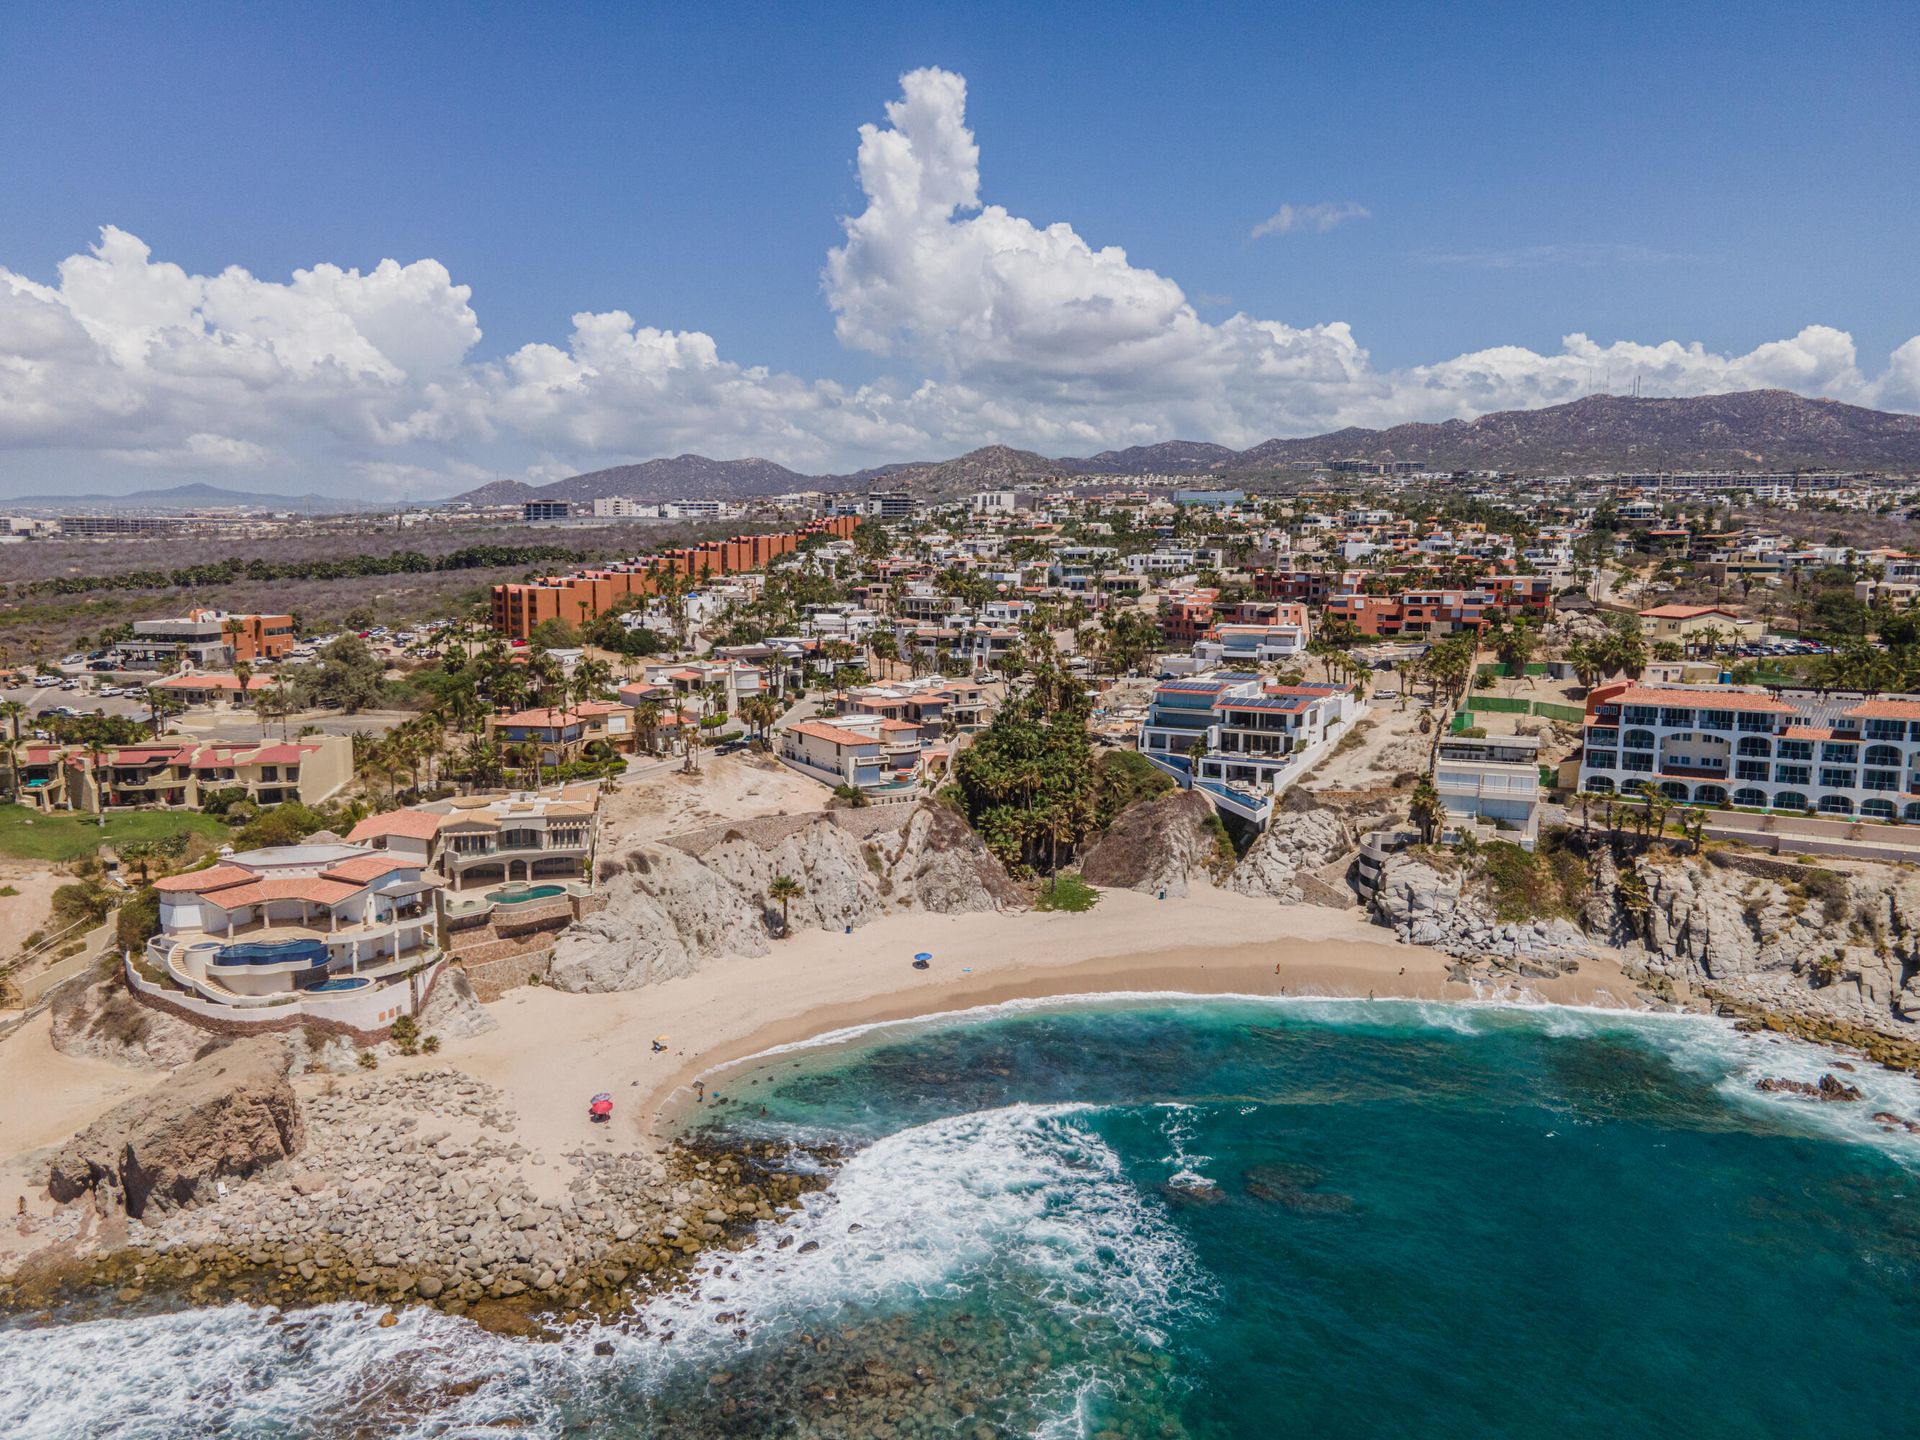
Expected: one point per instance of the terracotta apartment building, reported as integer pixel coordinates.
(578, 598)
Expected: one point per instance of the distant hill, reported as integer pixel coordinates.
(1616, 432)
(183, 497)
(684, 477)
(1774, 428)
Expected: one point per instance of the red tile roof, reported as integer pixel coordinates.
(198, 882)
(366, 868)
(832, 733)
(1700, 699)
(414, 824)
(1887, 710)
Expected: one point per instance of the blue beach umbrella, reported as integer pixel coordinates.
(922, 960)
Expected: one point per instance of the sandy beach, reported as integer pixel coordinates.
(553, 1050)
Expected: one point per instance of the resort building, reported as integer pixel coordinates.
(1234, 645)
(1688, 624)
(316, 931)
(1490, 787)
(1253, 740)
(170, 775)
(564, 733)
(1755, 749)
(867, 751)
(578, 598)
(472, 841)
(205, 640)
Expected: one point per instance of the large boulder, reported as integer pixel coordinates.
(1163, 844)
(1296, 843)
(102, 1020)
(453, 1011)
(227, 1116)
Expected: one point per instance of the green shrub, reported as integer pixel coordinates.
(1067, 891)
(1122, 777)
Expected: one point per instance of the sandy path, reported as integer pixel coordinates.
(46, 1096)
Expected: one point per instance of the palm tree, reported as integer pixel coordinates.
(646, 723)
(95, 752)
(785, 889)
(1426, 808)
(11, 713)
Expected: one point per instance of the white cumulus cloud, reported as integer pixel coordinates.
(993, 328)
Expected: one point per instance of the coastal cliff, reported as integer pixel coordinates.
(1823, 940)
(672, 907)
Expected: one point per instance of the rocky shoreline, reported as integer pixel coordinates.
(410, 1189)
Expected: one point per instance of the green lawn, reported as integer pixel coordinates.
(27, 835)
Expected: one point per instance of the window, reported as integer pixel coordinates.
(1831, 779)
(1759, 724)
(1642, 715)
(1886, 730)
(1602, 760)
(1639, 739)
(1792, 775)
(1753, 799)
(1880, 780)
(1716, 720)
(1840, 752)
(1631, 761)
(1795, 750)
(1790, 800)
(1835, 805)
(1877, 809)
(1672, 716)
(1883, 755)
(1750, 770)
(1753, 745)
(1607, 738)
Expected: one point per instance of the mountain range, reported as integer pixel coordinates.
(1600, 433)
(196, 496)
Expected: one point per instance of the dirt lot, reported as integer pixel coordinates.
(25, 911)
(660, 801)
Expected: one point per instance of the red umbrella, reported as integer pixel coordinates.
(601, 1108)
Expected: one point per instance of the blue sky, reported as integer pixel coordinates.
(1510, 174)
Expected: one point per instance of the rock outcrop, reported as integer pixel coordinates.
(1163, 844)
(227, 1116)
(102, 1020)
(1426, 902)
(453, 1011)
(669, 911)
(1296, 843)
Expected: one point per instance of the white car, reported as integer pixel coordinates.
(1386, 694)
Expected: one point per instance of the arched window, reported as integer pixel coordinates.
(1755, 745)
(1790, 800)
(1639, 739)
(1754, 799)
(1709, 795)
(1601, 785)
(1673, 790)
(1878, 809)
(1913, 812)
(1883, 755)
(1835, 805)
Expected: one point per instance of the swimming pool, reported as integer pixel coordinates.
(340, 982)
(516, 897)
(272, 952)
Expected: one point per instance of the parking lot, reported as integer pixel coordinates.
(38, 699)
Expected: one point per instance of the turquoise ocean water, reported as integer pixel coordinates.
(1163, 1217)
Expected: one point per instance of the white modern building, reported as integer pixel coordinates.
(1755, 749)
(1490, 787)
(1255, 739)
